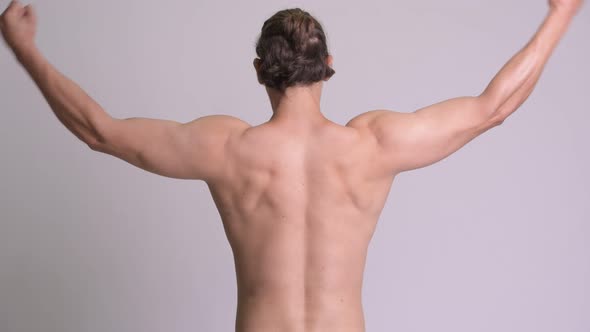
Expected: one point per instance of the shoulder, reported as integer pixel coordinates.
(219, 120)
(207, 137)
(217, 125)
(367, 119)
(378, 123)
(212, 132)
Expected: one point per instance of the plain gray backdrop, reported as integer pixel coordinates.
(495, 237)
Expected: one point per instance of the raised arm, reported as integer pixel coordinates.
(512, 86)
(409, 141)
(192, 150)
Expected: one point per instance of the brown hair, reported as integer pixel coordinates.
(292, 50)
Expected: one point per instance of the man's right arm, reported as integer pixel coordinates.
(413, 140)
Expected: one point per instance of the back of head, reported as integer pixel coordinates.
(292, 49)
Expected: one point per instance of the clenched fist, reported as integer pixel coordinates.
(18, 25)
(570, 6)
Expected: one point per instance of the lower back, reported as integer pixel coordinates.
(278, 311)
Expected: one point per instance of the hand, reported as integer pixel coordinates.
(18, 25)
(569, 6)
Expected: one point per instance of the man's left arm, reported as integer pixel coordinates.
(193, 150)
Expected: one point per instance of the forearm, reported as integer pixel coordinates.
(72, 106)
(514, 83)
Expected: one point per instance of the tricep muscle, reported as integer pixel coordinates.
(192, 150)
(413, 140)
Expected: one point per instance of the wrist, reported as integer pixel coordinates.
(32, 61)
(22, 52)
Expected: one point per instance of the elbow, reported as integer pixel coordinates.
(487, 105)
(98, 132)
(96, 144)
(490, 110)
(497, 120)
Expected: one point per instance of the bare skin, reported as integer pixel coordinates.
(299, 196)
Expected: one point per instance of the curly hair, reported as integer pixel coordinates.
(292, 50)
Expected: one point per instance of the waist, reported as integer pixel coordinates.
(300, 311)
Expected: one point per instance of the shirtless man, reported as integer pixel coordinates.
(299, 196)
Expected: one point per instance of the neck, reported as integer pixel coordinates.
(298, 106)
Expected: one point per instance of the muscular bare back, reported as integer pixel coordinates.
(300, 196)
(299, 212)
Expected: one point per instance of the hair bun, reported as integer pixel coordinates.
(292, 50)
